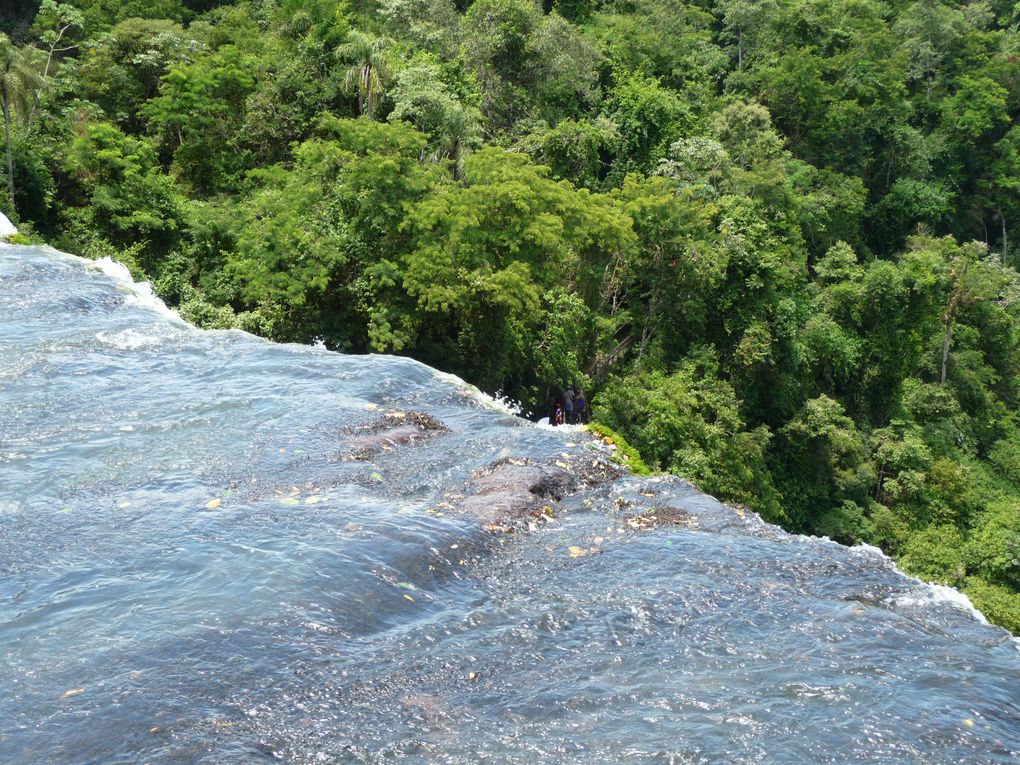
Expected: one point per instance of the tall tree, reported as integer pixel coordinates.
(56, 24)
(369, 74)
(18, 81)
(973, 277)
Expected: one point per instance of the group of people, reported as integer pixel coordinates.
(569, 408)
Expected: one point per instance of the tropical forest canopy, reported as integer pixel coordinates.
(774, 240)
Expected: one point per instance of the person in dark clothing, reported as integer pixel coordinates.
(568, 405)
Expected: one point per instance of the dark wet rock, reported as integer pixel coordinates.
(597, 470)
(540, 480)
(664, 515)
(509, 490)
(392, 430)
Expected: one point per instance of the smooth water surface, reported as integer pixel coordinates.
(193, 570)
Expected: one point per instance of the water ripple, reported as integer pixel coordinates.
(194, 570)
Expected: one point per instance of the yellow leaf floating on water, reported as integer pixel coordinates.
(371, 406)
(154, 729)
(408, 597)
(73, 692)
(968, 722)
(124, 504)
(576, 552)
(212, 504)
(312, 499)
(288, 501)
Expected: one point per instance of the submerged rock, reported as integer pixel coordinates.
(662, 515)
(511, 490)
(391, 430)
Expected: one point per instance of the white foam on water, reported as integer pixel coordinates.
(499, 403)
(141, 292)
(929, 594)
(871, 550)
(6, 227)
(544, 424)
(926, 594)
(128, 339)
(508, 404)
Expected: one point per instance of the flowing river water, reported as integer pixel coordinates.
(217, 549)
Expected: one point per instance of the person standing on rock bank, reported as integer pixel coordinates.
(581, 407)
(551, 405)
(568, 405)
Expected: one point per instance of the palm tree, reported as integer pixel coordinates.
(370, 73)
(460, 133)
(18, 82)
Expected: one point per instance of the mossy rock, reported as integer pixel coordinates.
(625, 454)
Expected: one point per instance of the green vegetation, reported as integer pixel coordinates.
(625, 454)
(771, 238)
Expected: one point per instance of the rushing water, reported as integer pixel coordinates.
(194, 570)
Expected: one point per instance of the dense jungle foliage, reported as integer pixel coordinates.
(772, 238)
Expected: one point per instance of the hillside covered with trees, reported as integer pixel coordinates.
(774, 239)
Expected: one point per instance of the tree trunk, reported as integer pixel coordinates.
(653, 305)
(946, 342)
(646, 331)
(10, 155)
(46, 73)
(365, 92)
(1005, 244)
(957, 298)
